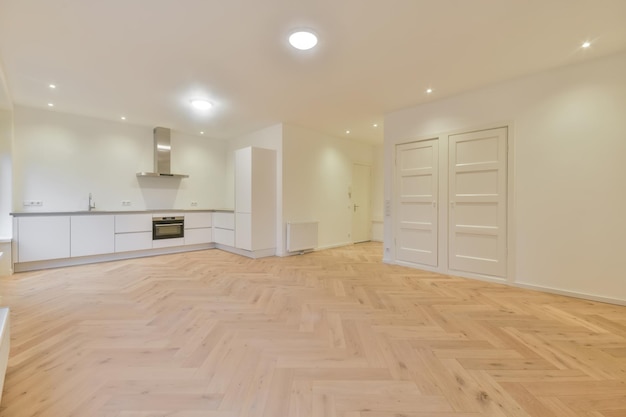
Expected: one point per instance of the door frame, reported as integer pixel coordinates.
(442, 138)
(369, 219)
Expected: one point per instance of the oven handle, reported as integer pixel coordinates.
(168, 224)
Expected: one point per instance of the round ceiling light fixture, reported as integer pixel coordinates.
(201, 104)
(303, 39)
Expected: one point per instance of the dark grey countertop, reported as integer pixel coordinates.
(96, 212)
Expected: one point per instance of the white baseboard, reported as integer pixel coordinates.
(503, 281)
(83, 260)
(256, 254)
(574, 294)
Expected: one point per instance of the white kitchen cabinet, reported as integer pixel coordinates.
(255, 200)
(243, 235)
(198, 228)
(224, 237)
(168, 243)
(43, 238)
(135, 222)
(197, 220)
(223, 220)
(224, 228)
(127, 242)
(92, 235)
(133, 232)
(198, 236)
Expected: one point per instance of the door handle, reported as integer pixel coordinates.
(355, 207)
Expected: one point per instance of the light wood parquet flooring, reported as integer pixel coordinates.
(334, 333)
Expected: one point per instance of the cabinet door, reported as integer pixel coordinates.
(92, 235)
(243, 232)
(243, 180)
(43, 238)
(197, 220)
(200, 235)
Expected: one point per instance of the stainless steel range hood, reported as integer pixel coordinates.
(162, 156)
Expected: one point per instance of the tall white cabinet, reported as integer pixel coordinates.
(255, 201)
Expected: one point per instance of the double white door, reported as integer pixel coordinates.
(477, 193)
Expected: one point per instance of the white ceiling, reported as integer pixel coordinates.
(146, 59)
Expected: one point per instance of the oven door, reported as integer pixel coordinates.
(168, 228)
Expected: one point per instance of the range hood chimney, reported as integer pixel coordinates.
(162, 155)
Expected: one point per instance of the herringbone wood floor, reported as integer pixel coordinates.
(331, 333)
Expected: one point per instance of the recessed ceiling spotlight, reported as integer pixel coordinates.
(375, 125)
(201, 104)
(303, 39)
(586, 44)
(50, 104)
(53, 86)
(202, 133)
(347, 132)
(123, 117)
(429, 90)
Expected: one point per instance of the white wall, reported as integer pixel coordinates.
(317, 174)
(569, 129)
(60, 158)
(269, 138)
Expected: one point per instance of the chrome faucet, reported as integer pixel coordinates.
(92, 204)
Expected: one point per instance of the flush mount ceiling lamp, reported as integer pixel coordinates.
(201, 104)
(303, 39)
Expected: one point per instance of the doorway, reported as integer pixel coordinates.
(361, 202)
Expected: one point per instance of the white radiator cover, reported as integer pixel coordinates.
(301, 236)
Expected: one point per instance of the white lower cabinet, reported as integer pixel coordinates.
(198, 228)
(127, 242)
(197, 236)
(168, 243)
(133, 232)
(43, 238)
(224, 237)
(224, 228)
(92, 235)
(130, 223)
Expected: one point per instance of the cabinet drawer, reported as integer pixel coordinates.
(127, 223)
(126, 242)
(197, 220)
(167, 243)
(224, 220)
(224, 237)
(196, 236)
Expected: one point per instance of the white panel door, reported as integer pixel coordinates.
(417, 185)
(477, 216)
(361, 218)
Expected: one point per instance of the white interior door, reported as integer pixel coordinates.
(417, 185)
(477, 215)
(361, 202)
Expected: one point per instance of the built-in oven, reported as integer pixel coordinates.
(168, 227)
